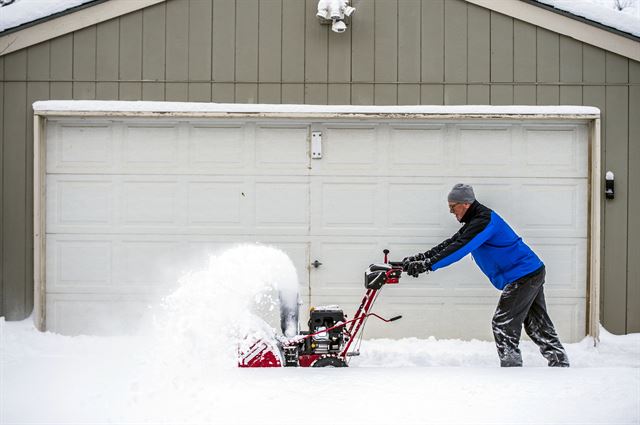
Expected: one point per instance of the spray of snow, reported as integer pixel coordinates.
(201, 327)
(239, 297)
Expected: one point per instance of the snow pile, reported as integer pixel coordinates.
(24, 11)
(47, 378)
(604, 12)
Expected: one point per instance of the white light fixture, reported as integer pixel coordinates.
(335, 12)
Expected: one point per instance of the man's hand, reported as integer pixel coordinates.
(407, 260)
(415, 268)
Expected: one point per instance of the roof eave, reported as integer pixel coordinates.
(577, 29)
(582, 19)
(68, 21)
(50, 17)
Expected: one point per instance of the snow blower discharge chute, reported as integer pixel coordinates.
(331, 334)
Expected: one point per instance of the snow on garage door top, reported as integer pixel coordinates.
(54, 107)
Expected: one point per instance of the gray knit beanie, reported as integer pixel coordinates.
(462, 193)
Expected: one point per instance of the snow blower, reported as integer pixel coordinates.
(329, 342)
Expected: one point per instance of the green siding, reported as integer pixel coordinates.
(275, 51)
(270, 52)
(616, 210)
(247, 24)
(223, 51)
(177, 48)
(154, 53)
(293, 23)
(409, 37)
(84, 63)
(385, 53)
(131, 56)
(200, 26)
(16, 241)
(633, 191)
(107, 59)
(362, 56)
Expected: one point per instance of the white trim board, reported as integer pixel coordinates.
(132, 108)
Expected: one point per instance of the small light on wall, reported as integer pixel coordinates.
(336, 13)
(609, 188)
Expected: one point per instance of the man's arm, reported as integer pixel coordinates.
(470, 237)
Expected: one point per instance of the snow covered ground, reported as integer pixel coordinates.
(182, 371)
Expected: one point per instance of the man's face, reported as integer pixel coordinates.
(458, 209)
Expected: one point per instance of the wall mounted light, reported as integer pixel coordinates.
(609, 185)
(336, 13)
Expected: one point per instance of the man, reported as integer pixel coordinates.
(510, 265)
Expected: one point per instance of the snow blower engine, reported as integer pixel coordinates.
(331, 335)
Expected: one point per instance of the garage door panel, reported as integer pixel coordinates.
(106, 314)
(569, 317)
(343, 264)
(556, 149)
(349, 149)
(280, 147)
(282, 204)
(78, 265)
(566, 265)
(352, 205)
(178, 204)
(418, 148)
(79, 201)
(148, 263)
(481, 147)
(410, 205)
(215, 203)
(78, 147)
(150, 203)
(151, 146)
(554, 208)
(216, 147)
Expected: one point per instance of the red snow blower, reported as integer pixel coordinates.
(330, 335)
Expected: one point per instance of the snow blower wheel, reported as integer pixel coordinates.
(330, 334)
(329, 362)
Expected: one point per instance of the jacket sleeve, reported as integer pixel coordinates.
(470, 237)
(438, 248)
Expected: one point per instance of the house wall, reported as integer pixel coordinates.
(274, 51)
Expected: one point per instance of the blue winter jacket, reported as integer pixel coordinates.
(496, 248)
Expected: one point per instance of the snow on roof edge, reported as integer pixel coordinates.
(96, 106)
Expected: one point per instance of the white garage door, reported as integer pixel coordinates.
(132, 204)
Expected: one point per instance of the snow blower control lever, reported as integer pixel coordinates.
(331, 336)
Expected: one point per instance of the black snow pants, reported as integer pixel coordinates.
(522, 302)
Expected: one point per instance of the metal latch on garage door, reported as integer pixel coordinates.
(316, 145)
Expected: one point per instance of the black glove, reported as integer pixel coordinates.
(415, 268)
(417, 257)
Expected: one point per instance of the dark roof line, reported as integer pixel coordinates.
(582, 19)
(50, 17)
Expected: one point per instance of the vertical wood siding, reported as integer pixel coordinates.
(275, 51)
